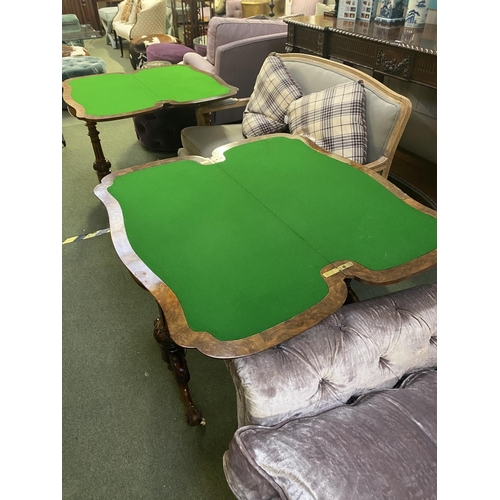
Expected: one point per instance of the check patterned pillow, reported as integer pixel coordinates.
(273, 92)
(334, 119)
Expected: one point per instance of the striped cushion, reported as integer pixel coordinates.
(334, 119)
(274, 90)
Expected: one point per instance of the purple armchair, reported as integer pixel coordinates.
(236, 50)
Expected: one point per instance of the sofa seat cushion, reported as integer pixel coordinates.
(381, 446)
(334, 119)
(201, 141)
(122, 29)
(273, 93)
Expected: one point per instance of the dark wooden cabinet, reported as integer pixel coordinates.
(85, 10)
(404, 53)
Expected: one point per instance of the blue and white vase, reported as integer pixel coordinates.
(416, 14)
(390, 12)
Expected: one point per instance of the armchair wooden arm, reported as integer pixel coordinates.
(203, 113)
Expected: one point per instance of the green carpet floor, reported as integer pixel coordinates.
(123, 432)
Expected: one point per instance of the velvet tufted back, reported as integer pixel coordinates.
(363, 346)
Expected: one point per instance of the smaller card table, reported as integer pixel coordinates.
(253, 246)
(114, 96)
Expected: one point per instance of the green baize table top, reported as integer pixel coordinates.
(112, 94)
(241, 242)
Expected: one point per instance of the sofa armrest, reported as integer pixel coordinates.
(363, 346)
(203, 113)
(199, 62)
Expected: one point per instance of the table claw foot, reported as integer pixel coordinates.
(175, 357)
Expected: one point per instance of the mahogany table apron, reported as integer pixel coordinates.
(408, 54)
(254, 246)
(114, 96)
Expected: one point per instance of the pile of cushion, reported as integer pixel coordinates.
(334, 118)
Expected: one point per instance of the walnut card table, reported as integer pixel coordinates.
(114, 96)
(253, 246)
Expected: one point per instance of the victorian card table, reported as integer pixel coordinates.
(114, 96)
(253, 246)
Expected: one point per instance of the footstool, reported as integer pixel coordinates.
(161, 129)
(138, 46)
(81, 66)
(167, 52)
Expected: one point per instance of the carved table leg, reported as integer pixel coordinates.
(101, 165)
(175, 358)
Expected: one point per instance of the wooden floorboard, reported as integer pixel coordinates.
(417, 171)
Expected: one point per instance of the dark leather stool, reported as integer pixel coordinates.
(138, 46)
(161, 130)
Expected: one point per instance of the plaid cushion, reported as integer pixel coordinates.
(274, 90)
(334, 119)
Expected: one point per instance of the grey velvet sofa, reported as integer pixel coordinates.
(346, 410)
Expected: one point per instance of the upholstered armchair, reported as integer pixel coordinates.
(386, 112)
(142, 17)
(346, 410)
(236, 49)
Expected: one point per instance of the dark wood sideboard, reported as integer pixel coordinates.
(405, 53)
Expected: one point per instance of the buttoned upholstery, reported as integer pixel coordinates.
(81, 66)
(363, 346)
(346, 410)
